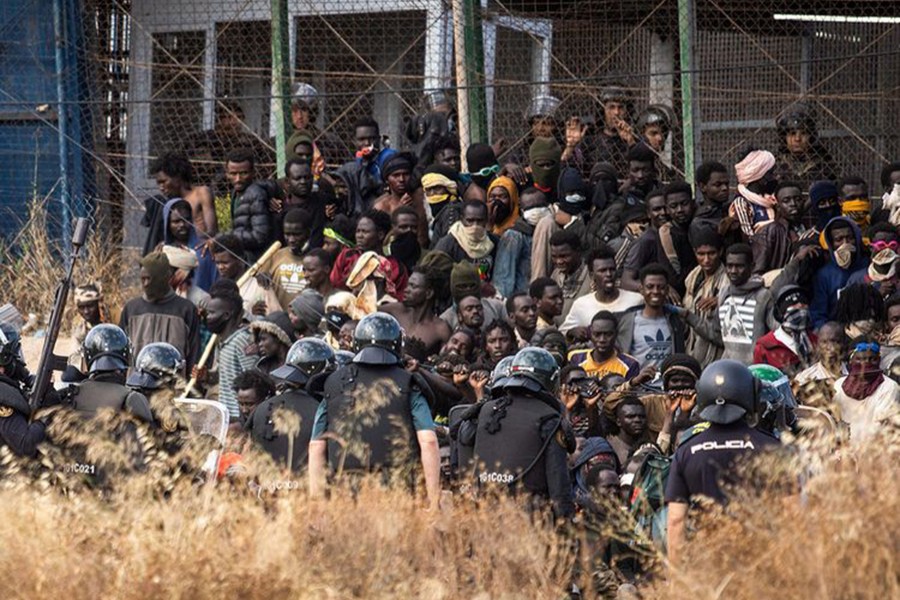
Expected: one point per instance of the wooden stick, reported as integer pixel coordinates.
(211, 344)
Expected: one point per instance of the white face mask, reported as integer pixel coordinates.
(533, 215)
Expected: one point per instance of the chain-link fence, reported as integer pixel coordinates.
(144, 77)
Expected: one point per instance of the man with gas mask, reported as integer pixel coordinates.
(522, 439)
(727, 398)
(789, 347)
(300, 382)
(16, 432)
(375, 417)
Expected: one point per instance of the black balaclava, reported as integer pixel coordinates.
(572, 192)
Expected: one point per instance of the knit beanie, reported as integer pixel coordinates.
(680, 363)
(309, 308)
(298, 137)
(464, 281)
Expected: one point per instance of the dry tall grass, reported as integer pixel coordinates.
(255, 542)
(839, 538)
(30, 272)
(261, 536)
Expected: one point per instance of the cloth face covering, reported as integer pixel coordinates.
(533, 215)
(843, 256)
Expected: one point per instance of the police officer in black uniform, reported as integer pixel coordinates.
(157, 370)
(375, 416)
(158, 366)
(301, 381)
(522, 439)
(16, 432)
(107, 352)
(727, 396)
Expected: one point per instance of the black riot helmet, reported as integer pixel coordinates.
(378, 340)
(499, 376)
(307, 357)
(157, 365)
(10, 346)
(726, 392)
(106, 348)
(343, 357)
(656, 114)
(797, 117)
(532, 366)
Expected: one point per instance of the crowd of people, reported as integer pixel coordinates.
(544, 323)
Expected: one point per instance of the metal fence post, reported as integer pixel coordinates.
(690, 125)
(59, 31)
(474, 39)
(281, 110)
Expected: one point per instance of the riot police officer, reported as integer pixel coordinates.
(308, 363)
(727, 397)
(16, 432)
(375, 415)
(522, 439)
(107, 352)
(801, 155)
(157, 370)
(463, 420)
(158, 365)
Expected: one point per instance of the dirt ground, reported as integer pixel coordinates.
(32, 346)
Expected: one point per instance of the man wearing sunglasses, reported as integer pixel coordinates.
(483, 169)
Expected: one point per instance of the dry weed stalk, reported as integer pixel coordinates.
(839, 537)
(30, 271)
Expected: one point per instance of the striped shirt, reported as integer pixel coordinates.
(736, 318)
(235, 355)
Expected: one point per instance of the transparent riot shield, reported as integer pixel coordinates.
(206, 417)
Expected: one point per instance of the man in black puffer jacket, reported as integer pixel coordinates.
(251, 218)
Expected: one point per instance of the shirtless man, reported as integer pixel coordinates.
(396, 173)
(175, 179)
(417, 316)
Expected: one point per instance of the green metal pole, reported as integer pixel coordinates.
(474, 41)
(686, 25)
(281, 106)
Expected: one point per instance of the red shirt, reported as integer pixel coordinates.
(395, 272)
(771, 351)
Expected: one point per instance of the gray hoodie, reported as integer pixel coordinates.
(745, 315)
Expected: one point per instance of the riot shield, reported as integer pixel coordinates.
(206, 417)
(817, 423)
